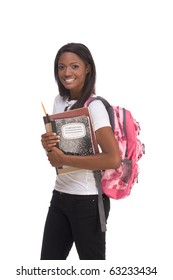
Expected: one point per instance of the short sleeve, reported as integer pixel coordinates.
(99, 115)
(59, 104)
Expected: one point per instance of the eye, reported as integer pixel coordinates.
(75, 66)
(60, 67)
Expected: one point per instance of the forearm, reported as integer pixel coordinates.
(109, 158)
(93, 162)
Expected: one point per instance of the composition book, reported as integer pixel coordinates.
(76, 133)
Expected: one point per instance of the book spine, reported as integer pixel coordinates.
(47, 123)
(53, 126)
(53, 129)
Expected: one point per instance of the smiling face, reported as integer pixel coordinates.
(72, 72)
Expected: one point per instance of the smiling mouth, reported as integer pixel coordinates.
(68, 81)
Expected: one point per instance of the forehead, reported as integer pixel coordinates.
(69, 57)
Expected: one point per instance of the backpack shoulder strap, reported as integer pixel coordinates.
(107, 106)
(111, 114)
(104, 101)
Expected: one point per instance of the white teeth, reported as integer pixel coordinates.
(69, 80)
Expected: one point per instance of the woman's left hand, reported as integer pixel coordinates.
(55, 157)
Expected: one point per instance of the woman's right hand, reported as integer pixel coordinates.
(49, 140)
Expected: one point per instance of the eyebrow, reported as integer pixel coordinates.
(70, 62)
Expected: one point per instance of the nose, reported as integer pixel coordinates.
(67, 71)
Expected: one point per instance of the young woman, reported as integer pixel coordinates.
(73, 215)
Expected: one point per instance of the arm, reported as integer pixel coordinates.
(109, 158)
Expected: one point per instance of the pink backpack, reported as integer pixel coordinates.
(118, 183)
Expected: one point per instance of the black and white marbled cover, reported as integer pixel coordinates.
(75, 133)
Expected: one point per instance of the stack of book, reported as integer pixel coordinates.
(76, 133)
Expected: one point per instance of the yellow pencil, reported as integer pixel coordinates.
(43, 108)
(46, 118)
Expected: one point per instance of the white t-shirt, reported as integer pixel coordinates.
(81, 182)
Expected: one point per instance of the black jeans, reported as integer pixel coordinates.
(74, 218)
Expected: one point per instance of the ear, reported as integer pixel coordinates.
(88, 69)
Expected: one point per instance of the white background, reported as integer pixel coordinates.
(132, 43)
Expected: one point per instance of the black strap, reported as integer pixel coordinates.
(108, 108)
(97, 175)
(111, 116)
